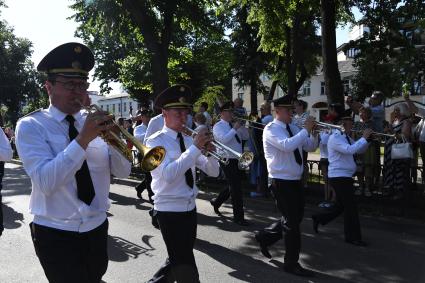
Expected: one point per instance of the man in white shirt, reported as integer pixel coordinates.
(203, 109)
(6, 154)
(70, 168)
(139, 134)
(283, 143)
(342, 166)
(174, 185)
(230, 135)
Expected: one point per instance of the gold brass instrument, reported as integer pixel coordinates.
(320, 126)
(151, 157)
(244, 159)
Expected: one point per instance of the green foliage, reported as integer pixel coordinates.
(18, 79)
(210, 96)
(144, 44)
(390, 56)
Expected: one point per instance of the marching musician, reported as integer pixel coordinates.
(6, 154)
(139, 133)
(283, 143)
(70, 168)
(342, 166)
(229, 134)
(174, 186)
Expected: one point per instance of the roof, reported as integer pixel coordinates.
(343, 67)
(115, 96)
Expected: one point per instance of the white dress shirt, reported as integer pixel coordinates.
(140, 132)
(171, 193)
(279, 149)
(226, 135)
(157, 123)
(208, 117)
(51, 161)
(267, 119)
(340, 154)
(323, 144)
(6, 152)
(421, 112)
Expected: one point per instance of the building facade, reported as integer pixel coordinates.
(120, 105)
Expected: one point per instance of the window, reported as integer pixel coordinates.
(346, 86)
(322, 88)
(125, 107)
(101, 107)
(306, 88)
(119, 107)
(107, 108)
(113, 108)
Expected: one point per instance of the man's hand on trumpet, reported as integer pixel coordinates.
(203, 139)
(96, 123)
(367, 133)
(310, 124)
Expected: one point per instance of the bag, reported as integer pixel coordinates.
(401, 150)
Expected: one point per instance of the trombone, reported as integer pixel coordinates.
(151, 157)
(244, 159)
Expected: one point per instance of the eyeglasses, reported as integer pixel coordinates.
(72, 86)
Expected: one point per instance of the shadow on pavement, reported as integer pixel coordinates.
(11, 218)
(16, 183)
(120, 249)
(129, 201)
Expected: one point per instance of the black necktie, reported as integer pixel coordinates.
(188, 174)
(236, 135)
(85, 189)
(297, 153)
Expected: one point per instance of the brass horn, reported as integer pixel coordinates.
(151, 157)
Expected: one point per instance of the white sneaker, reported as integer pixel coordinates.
(367, 193)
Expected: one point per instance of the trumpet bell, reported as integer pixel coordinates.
(245, 160)
(152, 157)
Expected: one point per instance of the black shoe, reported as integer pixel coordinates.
(315, 224)
(359, 243)
(298, 270)
(215, 207)
(242, 222)
(263, 248)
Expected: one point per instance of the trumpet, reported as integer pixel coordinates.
(326, 126)
(376, 134)
(251, 123)
(218, 154)
(151, 157)
(244, 159)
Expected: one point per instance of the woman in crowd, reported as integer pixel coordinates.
(396, 172)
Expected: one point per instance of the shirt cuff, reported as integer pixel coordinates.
(75, 152)
(194, 151)
(303, 133)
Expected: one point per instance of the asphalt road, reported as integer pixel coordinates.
(224, 252)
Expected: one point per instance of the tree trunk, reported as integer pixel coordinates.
(272, 90)
(159, 72)
(333, 85)
(254, 93)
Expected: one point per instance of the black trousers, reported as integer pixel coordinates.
(233, 176)
(71, 256)
(178, 230)
(145, 185)
(289, 198)
(345, 203)
(1, 203)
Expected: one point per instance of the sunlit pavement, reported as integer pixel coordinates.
(224, 251)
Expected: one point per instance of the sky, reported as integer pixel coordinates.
(45, 24)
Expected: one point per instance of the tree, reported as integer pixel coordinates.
(248, 61)
(287, 31)
(391, 54)
(145, 45)
(18, 79)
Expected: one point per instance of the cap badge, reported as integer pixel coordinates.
(182, 100)
(182, 88)
(77, 49)
(76, 65)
